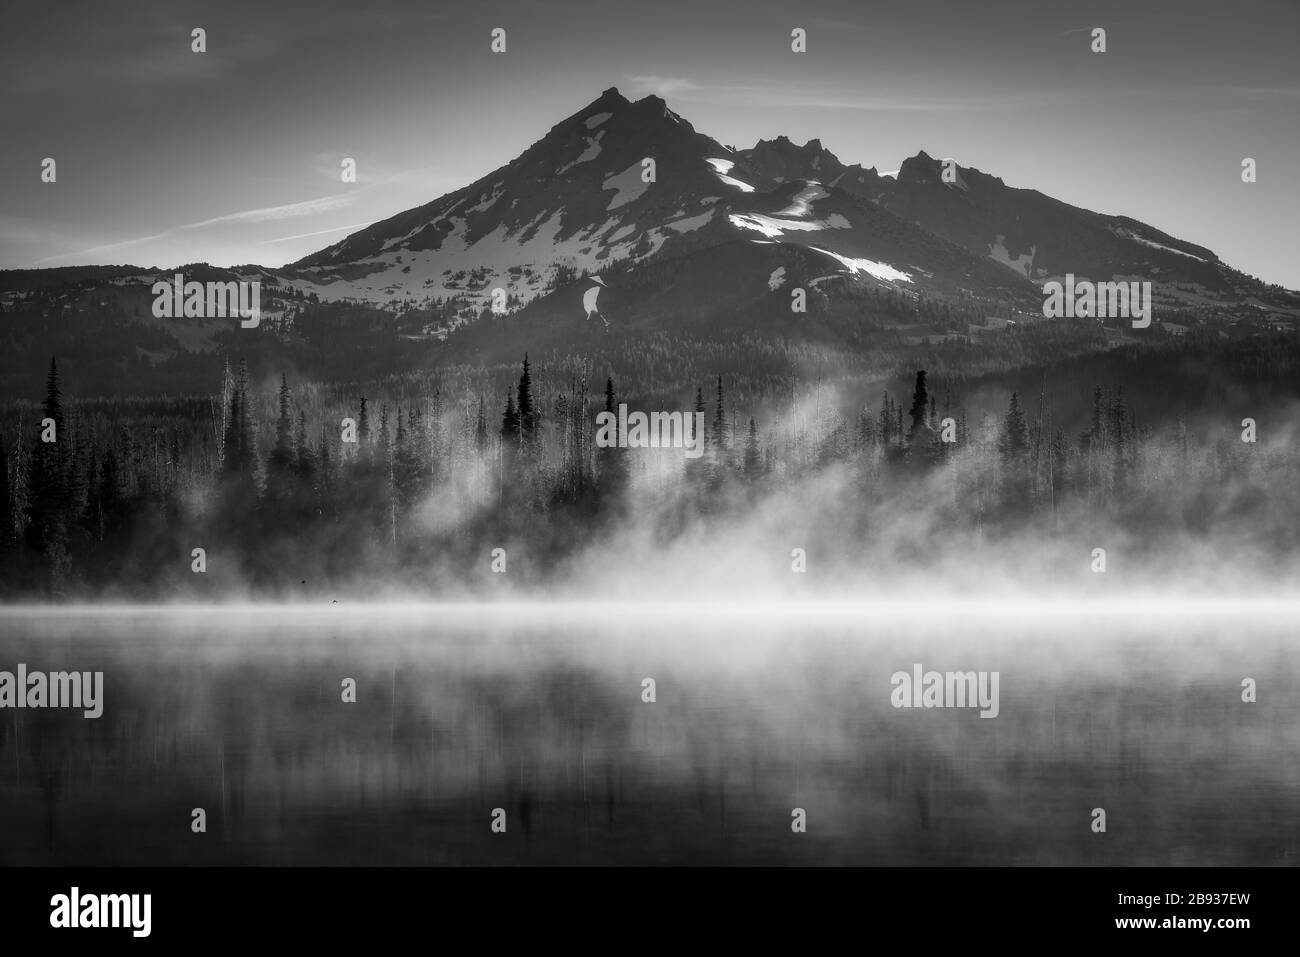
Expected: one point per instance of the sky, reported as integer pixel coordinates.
(165, 156)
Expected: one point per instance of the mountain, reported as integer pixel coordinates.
(582, 200)
(688, 237)
(572, 202)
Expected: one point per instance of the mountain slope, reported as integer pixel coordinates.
(780, 161)
(1043, 238)
(715, 243)
(580, 201)
(575, 201)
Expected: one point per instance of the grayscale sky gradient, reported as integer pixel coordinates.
(167, 157)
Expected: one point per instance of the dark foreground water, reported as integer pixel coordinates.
(458, 713)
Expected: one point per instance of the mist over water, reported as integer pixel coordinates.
(540, 712)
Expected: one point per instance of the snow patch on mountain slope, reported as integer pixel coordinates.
(721, 167)
(587, 155)
(772, 227)
(612, 223)
(1021, 264)
(661, 234)
(488, 201)
(473, 270)
(743, 187)
(688, 224)
(882, 271)
(777, 279)
(596, 119)
(1129, 234)
(801, 204)
(528, 228)
(627, 185)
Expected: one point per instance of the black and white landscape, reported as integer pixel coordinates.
(409, 550)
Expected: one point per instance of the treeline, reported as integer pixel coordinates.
(296, 488)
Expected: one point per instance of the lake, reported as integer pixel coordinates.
(538, 719)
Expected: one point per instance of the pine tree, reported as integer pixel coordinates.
(1013, 441)
(406, 467)
(528, 416)
(611, 406)
(47, 530)
(304, 471)
(279, 466)
(697, 468)
(241, 453)
(920, 403)
(363, 432)
(718, 436)
(53, 405)
(612, 460)
(237, 491)
(510, 423)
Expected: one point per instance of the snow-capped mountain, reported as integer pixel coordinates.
(578, 200)
(689, 236)
(586, 198)
(621, 183)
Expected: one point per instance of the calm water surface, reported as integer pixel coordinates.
(460, 712)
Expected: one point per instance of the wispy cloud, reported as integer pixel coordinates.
(663, 85)
(318, 232)
(309, 207)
